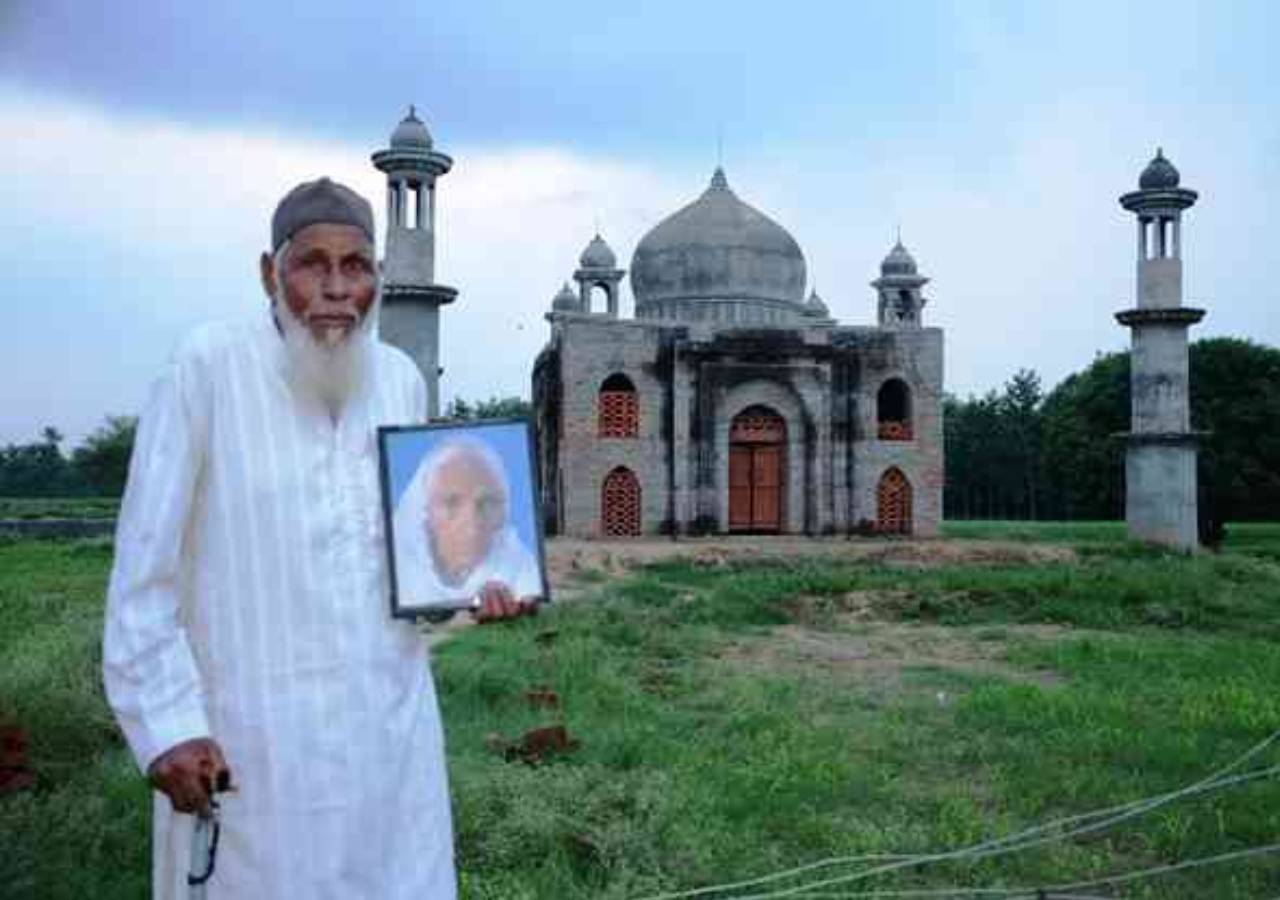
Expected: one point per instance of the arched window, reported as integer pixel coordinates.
(893, 411)
(893, 503)
(620, 504)
(618, 409)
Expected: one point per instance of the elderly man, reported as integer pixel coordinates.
(247, 626)
(453, 533)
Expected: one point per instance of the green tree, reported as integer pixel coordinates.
(102, 461)
(993, 451)
(493, 408)
(37, 469)
(1235, 397)
(1083, 458)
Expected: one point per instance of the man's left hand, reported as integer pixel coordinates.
(497, 601)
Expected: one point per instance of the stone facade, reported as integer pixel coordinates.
(723, 333)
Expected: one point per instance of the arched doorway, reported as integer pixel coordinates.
(757, 457)
(893, 503)
(620, 504)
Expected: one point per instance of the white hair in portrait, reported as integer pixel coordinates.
(331, 373)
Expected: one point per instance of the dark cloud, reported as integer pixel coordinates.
(661, 74)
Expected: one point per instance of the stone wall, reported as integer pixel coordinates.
(916, 357)
(592, 349)
(690, 384)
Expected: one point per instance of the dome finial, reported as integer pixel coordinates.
(899, 261)
(411, 133)
(1159, 175)
(598, 255)
(718, 181)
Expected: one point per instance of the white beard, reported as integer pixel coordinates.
(330, 372)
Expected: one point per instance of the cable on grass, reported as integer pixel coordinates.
(995, 847)
(1172, 867)
(1049, 892)
(1002, 847)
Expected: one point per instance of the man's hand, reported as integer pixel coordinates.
(497, 601)
(189, 773)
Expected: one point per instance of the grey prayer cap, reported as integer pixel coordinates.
(322, 200)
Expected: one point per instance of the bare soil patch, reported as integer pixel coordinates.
(572, 562)
(878, 655)
(575, 566)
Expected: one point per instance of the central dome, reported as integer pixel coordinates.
(717, 248)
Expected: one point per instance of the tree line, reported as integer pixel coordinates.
(1019, 453)
(1015, 453)
(95, 468)
(99, 465)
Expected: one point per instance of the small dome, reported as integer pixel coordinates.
(598, 255)
(815, 307)
(566, 300)
(898, 262)
(1159, 175)
(411, 134)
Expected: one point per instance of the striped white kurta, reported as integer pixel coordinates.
(249, 602)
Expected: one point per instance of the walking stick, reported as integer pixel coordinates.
(204, 850)
(204, 840)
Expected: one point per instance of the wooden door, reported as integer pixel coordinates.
(740, 488)
(766, 488)
(756, 481)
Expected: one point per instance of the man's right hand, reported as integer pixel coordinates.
(188, 773)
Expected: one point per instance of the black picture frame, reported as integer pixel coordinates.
(400, 446)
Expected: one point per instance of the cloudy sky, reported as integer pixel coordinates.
(144, 145)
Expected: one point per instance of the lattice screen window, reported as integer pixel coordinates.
(619, 408)
(893, 503)
(620, 504)
(895, 431)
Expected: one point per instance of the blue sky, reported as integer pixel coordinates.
(145, 145)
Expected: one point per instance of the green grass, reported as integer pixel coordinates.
(1258, 538)
(1048, 532)
(717, 744)
(59, 507)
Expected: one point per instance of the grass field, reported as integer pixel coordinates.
(59, 507)
(737, 719)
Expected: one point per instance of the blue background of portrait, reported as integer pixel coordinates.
(510, 440)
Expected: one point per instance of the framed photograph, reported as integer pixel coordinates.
(461, 510)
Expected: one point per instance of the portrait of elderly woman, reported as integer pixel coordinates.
(464, 527)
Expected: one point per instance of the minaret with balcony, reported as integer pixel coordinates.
(1160, 461)
(411, 299)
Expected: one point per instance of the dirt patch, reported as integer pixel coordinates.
(879, 654)
(575, 566)
(574, 563)
(849, 607)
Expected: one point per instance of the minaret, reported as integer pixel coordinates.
(598, 267)
(411, 299)
(900, 301)
(1160, 465)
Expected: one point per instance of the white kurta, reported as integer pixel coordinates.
(249, 602)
